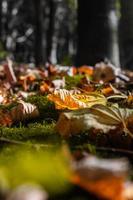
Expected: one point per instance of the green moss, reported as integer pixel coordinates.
(72, 82)
(8, 107)
(36, 132)
(46, 108)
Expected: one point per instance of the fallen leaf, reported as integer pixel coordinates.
(74, 100)
(9, 71)
(104, 72)
(5, 118)
(23, 111)
(86, 70)
(112, 116)
(98, 118)
(103, 177)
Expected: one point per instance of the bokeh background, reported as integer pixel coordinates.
(67, 31)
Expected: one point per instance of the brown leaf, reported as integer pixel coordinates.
(24, 111)
(5, 118)
(11, 78)
(103, 177)
(103, 72)
(98, 118)
(74, 100)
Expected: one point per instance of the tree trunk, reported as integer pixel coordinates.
(97, 32)
(0, 18)
(50, 28)
(38, 32)
(41, 28)
(126, 34)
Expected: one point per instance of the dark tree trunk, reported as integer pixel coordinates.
(50, 28)
(97, 31)
(42, 11)
(0, 18)
(38, 32)
(126, 34)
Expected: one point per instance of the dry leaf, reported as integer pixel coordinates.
(10, 75)
(130, 100)
(74, 100)
(103, 177)
(107, 90)
(24, 111)
(112, 116)
(45, 87)
(99, 117)
(5, 119)
(86, 70)
(104, 72)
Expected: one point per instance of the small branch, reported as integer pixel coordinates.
(16, 142)
(122, 151)
(109, 150)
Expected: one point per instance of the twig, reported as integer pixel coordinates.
(114, 150)
(16, 142)
(108, 149)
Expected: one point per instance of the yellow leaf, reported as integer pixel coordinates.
(74, 100)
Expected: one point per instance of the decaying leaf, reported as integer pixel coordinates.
(107, 90)
(74, 100)
(5, 118)
(104, 72)
(98, 117)
(112, 116)
(103, 177)
(130, 100)
(24, 111)
(10, 75)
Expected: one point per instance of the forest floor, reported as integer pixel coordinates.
(65, 131)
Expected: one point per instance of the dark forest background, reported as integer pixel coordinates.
(67, 31)
(39, 30)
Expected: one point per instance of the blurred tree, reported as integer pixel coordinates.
(17, 28)
(60, 31)
(64, 28)
(39, 30)
(126, 33)
(0, 17)
(97, 32)
(42, 12)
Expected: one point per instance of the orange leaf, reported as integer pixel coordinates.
(86, 70)
(110, 189)
(105, 178)
(107, 91)
(72, 100)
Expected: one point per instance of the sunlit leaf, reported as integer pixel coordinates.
(112, 116)
(74, 100)
(24, 111)
(99, 118)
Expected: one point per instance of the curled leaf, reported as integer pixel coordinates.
(98, 118)
(74, 100)
(24, 111)
(112, 116)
